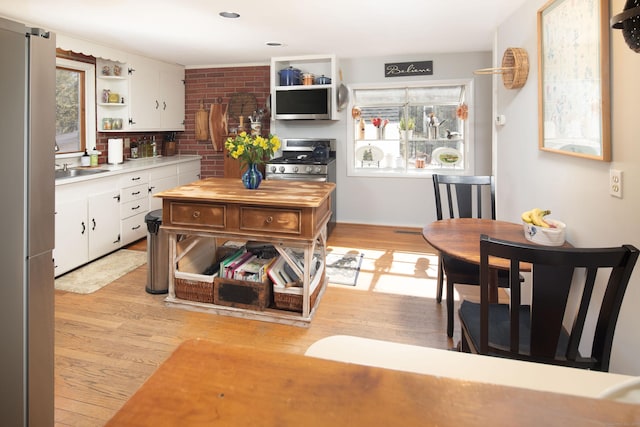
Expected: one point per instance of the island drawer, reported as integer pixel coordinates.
(274, 220)
(195, 214)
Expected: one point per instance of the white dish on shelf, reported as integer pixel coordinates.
(376, 154)
(447, 156)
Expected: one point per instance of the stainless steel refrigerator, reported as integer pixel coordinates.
(27, 139)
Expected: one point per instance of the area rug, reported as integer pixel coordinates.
(343, 268)
(101, 272)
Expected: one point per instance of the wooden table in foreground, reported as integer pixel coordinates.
(204, 383)
(286, 214)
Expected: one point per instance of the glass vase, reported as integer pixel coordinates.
(252, 177)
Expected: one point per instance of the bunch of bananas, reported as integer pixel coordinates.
(536, 217)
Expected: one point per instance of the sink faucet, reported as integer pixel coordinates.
(65, 166)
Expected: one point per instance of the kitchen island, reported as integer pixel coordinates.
(286, 214)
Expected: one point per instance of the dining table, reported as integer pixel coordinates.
(460, 238)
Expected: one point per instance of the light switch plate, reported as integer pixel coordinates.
(615, 183)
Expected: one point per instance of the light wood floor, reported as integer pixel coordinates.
(109, 342)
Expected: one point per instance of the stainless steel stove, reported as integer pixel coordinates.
(306, 159)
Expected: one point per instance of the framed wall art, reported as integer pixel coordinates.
(573, 78)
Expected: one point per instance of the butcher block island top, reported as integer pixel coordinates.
(289, 215)
(284, 208)
(270, 192)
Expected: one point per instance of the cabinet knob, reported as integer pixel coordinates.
(196, 214)
(269, 220)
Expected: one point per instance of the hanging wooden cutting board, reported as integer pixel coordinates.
(218, 125)
(202, 123)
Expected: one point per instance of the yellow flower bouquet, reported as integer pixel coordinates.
(252, 149)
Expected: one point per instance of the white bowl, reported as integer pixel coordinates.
(545, 236)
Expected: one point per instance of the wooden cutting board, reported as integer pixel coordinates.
(218, 125)
(202, 123)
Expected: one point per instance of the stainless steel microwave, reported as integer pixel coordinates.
(302, 103)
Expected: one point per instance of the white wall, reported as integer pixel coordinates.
(576, 190)
(407, 202)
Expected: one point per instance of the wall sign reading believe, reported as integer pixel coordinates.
(401, 69)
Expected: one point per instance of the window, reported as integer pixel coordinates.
(75, 106)
(410, 130)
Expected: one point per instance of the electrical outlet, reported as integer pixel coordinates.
(615, 183)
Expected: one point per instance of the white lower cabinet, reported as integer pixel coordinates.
(72, 237)
(160, 179)
(134, 205)
(103, 225)
(87, 223)
(188, 172)
(133, 228)
(102, 214)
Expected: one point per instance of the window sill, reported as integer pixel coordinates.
(373, 172)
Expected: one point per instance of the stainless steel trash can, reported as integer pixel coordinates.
(157, 254)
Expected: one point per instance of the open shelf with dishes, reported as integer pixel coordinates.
(112, 93)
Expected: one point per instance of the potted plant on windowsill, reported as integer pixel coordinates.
(406, 127)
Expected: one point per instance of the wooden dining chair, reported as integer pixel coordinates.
(455, 196)
(550, 328)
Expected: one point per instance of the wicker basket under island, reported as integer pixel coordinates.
(287, 215)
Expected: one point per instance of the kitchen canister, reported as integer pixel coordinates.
(115, 148)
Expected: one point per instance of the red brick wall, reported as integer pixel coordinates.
(211, 85)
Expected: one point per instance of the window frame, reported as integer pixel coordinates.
(89, 100)
(407, 172)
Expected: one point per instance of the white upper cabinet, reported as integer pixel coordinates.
(157, 95)
(172, 114)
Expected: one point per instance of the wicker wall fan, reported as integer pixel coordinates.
(514, 69)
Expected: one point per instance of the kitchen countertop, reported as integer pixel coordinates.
(127, 166)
